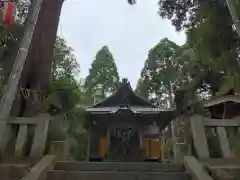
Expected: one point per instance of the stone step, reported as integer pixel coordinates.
(119, 166)
(13, 171)
(115, 175)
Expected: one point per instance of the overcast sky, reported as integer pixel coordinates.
(128, 31)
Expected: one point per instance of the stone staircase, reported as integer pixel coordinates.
(117, 171)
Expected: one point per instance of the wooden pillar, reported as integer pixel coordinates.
(140, 135)
(199, 136)
(162, 147)
(108, 138)
(174, 139)
(89, 144)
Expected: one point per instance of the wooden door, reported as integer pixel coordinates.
(151, 148)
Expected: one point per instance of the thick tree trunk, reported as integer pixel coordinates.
(41, 54)
(37, 70)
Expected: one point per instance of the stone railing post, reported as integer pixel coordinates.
(21, 140)
(5, 135)
(199, 136)
(58, 148)
(40, 136)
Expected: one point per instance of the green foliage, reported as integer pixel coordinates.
(64, 62)
(212, 38)
(103, 75)
(70, 94)
(77, 118)
(168, 147)
(65, 66)
(211, 68)
(78, 132)
(173, 72)
(187, 14)
(68, 91)
(161, 72)
(227, 85)
(143, 87)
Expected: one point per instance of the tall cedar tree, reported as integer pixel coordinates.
(103, 75)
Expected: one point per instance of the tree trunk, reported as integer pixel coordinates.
(37, 70)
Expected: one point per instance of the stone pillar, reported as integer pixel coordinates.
(40, 136)
(224, 143)
(5, 135)
(199, 136)
(21, 140)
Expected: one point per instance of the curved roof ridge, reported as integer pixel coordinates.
(221, 99)
(124, 95)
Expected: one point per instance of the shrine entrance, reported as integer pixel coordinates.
(124, 144)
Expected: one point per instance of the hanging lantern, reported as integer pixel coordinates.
(9, 13)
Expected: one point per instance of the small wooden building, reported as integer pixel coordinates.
(211, 134)
(223, 107)
(126, 127)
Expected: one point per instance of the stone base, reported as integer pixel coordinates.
(58, 148)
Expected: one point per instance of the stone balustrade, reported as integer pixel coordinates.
(15, 131)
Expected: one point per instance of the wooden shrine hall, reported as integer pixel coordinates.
(126, 127)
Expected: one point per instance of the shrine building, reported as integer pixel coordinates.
(126, 127)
